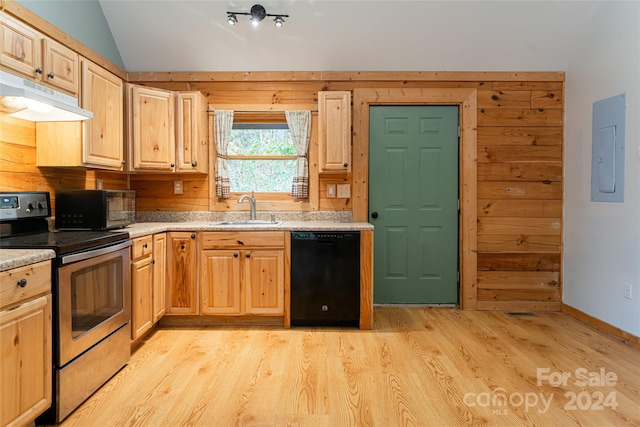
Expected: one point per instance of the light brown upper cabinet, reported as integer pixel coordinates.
(97, 142)
(33, 55)
(151, 129)
(192, 132)
(103, 136)
(334, 131)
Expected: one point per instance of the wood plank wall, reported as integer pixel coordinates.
(18, 170)
(520, 165)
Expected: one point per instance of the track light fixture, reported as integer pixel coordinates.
(257, 14)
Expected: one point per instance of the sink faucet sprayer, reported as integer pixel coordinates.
(252, 204)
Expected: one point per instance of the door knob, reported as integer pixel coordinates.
(374, 215)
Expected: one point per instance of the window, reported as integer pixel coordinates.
(261, 157)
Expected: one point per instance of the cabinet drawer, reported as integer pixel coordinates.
(243, 239)
(142, 246)
(37, 279)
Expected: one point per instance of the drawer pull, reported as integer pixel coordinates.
(22, 283)
(145, 245)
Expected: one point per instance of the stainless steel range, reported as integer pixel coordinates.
(91, 289)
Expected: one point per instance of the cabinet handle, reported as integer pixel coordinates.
(39, 70)
(193, 236)
(22, 283)
(345, 164)
(235, 254)
(248, 255)
(194, 164)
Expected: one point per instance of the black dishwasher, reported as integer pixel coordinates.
(325, 278)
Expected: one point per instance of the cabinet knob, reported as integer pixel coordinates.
(345, 164)
(50, 75)
(194, 164)
(172, 164)
(153, 261)
(248, 255)
(145, 246)
(22, 283)
(39, 70)
(123, 163)
(235, 254)
(193, 236)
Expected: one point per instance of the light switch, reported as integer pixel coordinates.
(331, 191)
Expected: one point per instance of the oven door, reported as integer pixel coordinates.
(94, 298)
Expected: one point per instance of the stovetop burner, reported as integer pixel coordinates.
(63, 242)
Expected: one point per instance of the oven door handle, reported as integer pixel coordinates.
(68, 259)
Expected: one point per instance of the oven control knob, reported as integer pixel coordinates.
(40, 205)
(29, 207)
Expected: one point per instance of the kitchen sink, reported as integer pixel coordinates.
(250, 223)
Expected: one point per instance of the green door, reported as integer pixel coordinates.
(413, 203)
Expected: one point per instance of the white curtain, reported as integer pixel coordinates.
(223, 122)
(300, 126)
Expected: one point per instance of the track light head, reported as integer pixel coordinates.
(232, 19)
(278, 22)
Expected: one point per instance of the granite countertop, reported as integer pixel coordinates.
(14, 258)
(146, 228)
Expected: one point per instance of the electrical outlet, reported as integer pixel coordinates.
(177, 187)
(98, 183)
(344, 191)
(331, 190)
(627, 290)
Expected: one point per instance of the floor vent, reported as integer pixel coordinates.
(521, 314)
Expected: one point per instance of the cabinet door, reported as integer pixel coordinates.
(159, 275)
(220, 282)
(263, 276)
(61, 67)
(103, 136)
(334, 131)
(20, 47)
(191, 132)
(141, 296)
(25, 372)
(182, 273)
(152, 133)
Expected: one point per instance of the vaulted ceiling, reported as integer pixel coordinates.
(170, 35)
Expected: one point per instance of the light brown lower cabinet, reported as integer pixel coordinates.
(148, 263)
(25, 343)
(242, 273)
(182, 273)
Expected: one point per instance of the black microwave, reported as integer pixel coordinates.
(94, 209)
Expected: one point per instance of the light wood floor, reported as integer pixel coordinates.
(419, 367)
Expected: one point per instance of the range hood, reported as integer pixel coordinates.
(24, 99)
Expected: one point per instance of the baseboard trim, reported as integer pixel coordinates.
(618, 333)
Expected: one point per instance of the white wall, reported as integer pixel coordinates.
(602, 240)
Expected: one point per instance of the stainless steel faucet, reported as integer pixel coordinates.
(252, 204)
